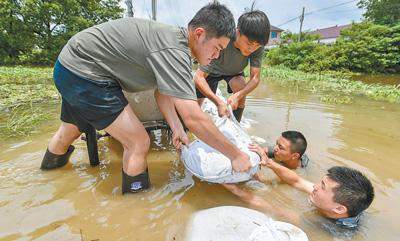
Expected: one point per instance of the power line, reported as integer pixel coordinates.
(337, 5)
(317, 10)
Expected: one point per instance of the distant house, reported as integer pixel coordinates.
(329, 35)
(274, 37)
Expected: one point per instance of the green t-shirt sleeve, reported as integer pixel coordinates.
(172, 69)
(256, 58)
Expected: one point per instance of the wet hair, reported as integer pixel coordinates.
(216, 19)
(354, 190)
(297, 140)
(255, 26)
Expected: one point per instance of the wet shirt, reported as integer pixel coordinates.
(232, 62)
(343, 227)
(139, 54)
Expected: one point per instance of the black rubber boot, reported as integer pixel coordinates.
(238, 113)
(52, 161)
(136, 183)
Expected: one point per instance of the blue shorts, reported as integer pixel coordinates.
(88, 102)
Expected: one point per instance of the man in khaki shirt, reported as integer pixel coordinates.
(252, 35)
(135, 55)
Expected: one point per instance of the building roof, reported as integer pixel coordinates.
(273, 28)
(331, 32)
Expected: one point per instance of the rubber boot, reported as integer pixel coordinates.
(238, 113)
(133, 184)
(52, 161)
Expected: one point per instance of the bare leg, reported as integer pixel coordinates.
(65, 135)
(130, 132)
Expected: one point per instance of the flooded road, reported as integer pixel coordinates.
(79, 202)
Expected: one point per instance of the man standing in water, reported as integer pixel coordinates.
(135, 55)
(252, 35)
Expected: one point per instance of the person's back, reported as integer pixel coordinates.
(124, 50)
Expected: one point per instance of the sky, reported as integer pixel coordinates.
(179, 12)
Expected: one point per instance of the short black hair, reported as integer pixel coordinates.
(354, 190)
(297, 140)
(216, 19)
(255, 26)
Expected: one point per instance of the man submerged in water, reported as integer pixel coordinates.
(288, 151)
(341, 195)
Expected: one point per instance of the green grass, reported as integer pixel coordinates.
(337, 87)
(21, 89)
(26, 85)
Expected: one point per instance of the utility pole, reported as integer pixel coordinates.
(301, 23)
(154, 9)
(129, 8)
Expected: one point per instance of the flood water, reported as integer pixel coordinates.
(79, 202)
(385, 79)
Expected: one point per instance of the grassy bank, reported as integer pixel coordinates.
(24, 90)
(21, 90)
(338, 87)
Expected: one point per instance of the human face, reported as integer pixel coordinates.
(323, 198)
(283, 151)
(206, 49)
(245, 46)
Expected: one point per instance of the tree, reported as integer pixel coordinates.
(15, 36)
(385, 12)
(368, 47)
(48, 24)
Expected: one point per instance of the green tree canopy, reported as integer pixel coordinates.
(381, 11)
(34, 31)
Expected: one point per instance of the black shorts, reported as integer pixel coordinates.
(85, 101)
(213, 83)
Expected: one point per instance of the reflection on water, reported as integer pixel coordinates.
(79, 202)
(385, 79)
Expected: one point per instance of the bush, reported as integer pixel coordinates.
(365, 47)
(307, 56)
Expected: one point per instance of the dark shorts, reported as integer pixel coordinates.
(213, 83)
(85, 101)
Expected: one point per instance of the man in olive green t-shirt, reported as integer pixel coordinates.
(251, 36)
(134, 55)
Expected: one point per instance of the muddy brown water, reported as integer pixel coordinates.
(385, 79)
(79, 202)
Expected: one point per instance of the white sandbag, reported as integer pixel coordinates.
(210, 165)
(144, 105)
(230, 223)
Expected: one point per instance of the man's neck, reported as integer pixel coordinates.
(291, 164)
(333, 215)
(190, 43)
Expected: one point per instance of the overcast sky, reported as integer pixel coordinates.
(179, 12)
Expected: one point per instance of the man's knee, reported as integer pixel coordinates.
(138, 143)
(67, 132)
(237, 83)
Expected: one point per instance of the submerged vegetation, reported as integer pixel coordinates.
(338, 87)
(21, 90)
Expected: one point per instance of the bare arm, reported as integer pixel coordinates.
(167, 108)
(202, 126)
(291, 177)
(252, 84)
(285, 174)
(202, 85)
